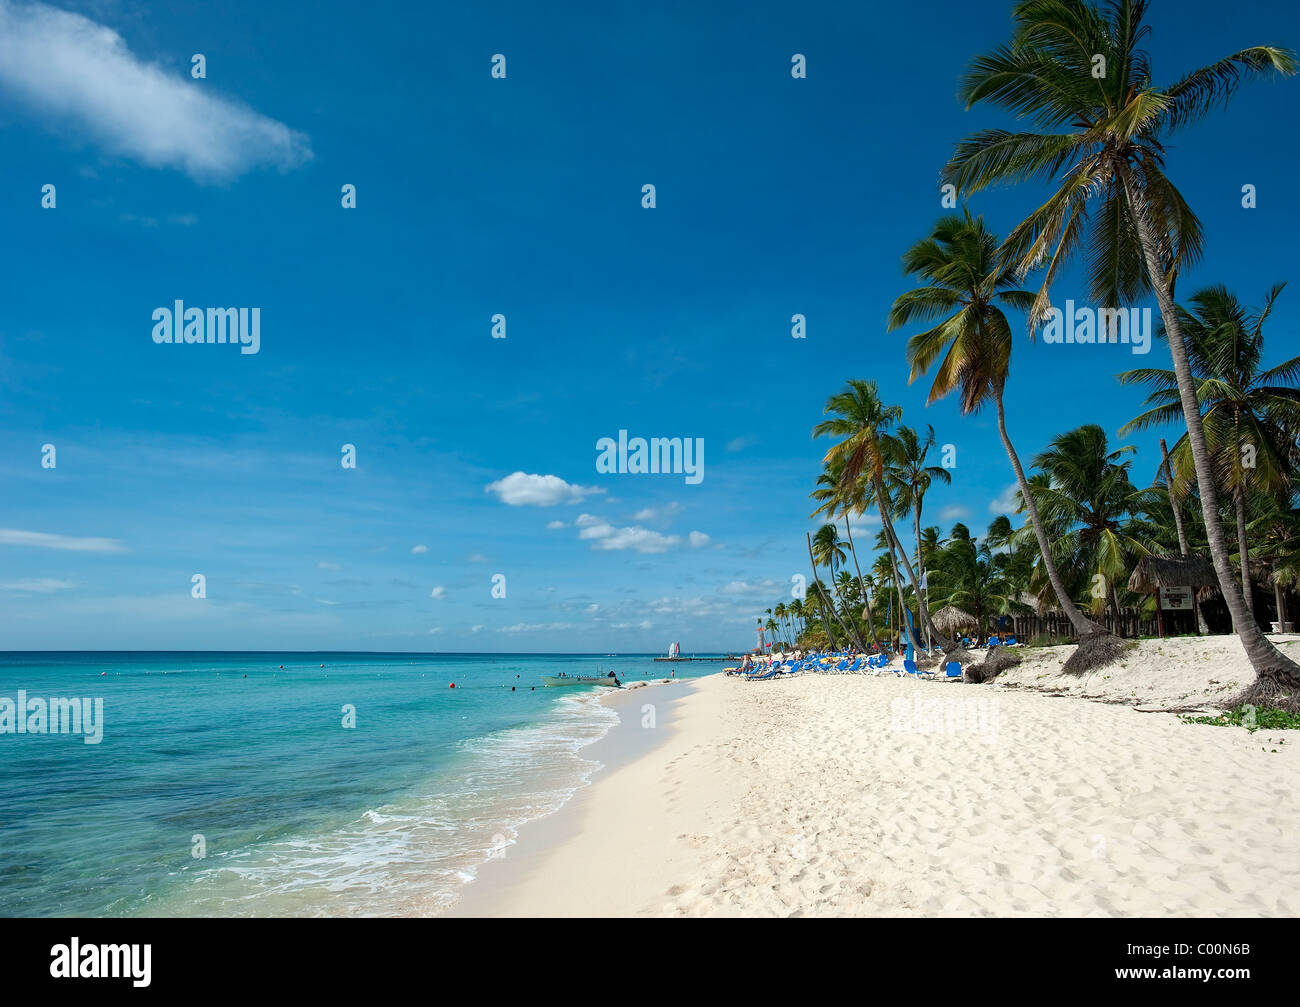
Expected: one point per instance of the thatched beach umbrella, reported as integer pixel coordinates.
(949, 619)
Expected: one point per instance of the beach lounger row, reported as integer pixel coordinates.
(993, 641)
(848, 665)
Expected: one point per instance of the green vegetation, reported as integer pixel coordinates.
(1252, 719)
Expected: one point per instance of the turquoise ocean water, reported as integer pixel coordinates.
(231, 756)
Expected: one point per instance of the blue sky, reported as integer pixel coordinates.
(519, 196)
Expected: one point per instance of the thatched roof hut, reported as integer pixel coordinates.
(949, 619)
(1154, 572)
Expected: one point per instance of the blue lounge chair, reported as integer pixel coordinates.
(953, 669)
(910, 668)
(994, 641)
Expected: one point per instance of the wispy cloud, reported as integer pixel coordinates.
(519, 489)
(1007, 501)
(534, 627)
(606, 537)
(44, 540)
(655, 514)
(37, 585)
(66, 65)
(419, 550)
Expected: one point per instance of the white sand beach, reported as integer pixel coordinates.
(844, 795)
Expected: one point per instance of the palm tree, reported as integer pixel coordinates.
(819, 591)
(778, 613)
(1000, 533)
(888, 563)
(826, 546)
(1104, 139)
(930, 541)
(1250, 416)
(1088, 501)
(834, 493)
(966, 285)
(884, 575)
(1280, 527)
(967, 578)
(862, 422)
(913, 478)
(796, 611)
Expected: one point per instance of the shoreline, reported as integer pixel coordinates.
(827, 795)
(558, 845)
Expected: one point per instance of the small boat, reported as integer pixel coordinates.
(555, 681)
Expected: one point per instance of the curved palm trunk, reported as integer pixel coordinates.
(1247, 589)
(849, 629)
(848, 633)
(946, 644)
(862, 587)
(1082, 624)
(896, 551)
(1167, 471)
(898, 593)
(1269, 663)
(888, 523)
(821, 597)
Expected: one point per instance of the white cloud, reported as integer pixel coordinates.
(38, 585)
(748, 587)
(438, 593)
(698, 539)
(696, 607)
(1006, 502)
(436, 629)
(552, 525)
(476, 629)
(419, 550)
(519, 489)
(44, 540)
(477, 557)
(740, 443)
(609, 538)
(324, 565)
(593, 607)
(954, 512)
(533, 627)
(665, 513)
(81, 73)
